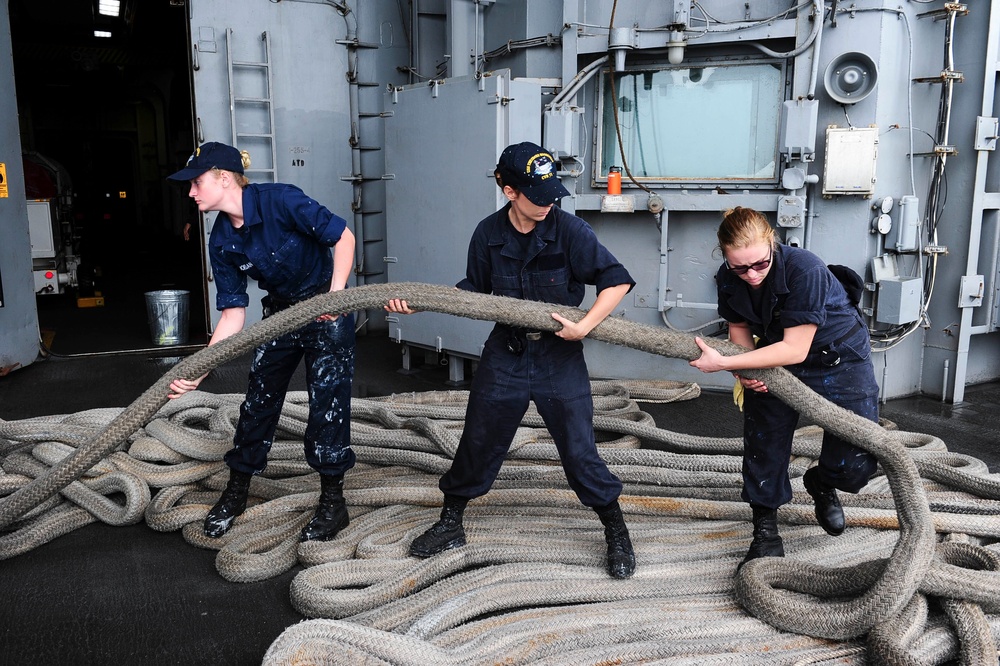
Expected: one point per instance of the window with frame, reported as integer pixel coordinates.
(704, 123)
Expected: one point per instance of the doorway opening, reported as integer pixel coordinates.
(106, 113)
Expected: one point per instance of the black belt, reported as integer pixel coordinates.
(272, 304)
(517, 337)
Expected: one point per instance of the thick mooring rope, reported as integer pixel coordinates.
(530, 586)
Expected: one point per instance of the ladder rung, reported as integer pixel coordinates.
(259, 71)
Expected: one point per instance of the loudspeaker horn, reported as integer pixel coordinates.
(850, 77)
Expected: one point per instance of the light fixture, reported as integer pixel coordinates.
(102, 33)
(675, 47)
(109, 8)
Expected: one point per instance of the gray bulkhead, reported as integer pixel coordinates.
(18, 316)
(856, 177)
(867, 136)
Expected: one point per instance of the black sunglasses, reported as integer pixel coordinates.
(757, 266)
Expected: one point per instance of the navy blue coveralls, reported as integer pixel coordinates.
(800, 289)
(553, 263)
(284, 244)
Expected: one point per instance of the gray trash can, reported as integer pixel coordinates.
(168, 311)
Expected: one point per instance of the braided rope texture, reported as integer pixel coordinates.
(530, 586)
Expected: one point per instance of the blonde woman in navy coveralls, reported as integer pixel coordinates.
(802, 319)
(275, 234)
(531, 249)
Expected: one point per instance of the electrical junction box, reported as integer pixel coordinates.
(898, 300)
(797, 135)
(42, 229)
(46, 281)
(903, 235)
(791, 211)
(562, 134)
(850, 160)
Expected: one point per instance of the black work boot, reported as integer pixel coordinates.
(829, 512)
(621, 557)
(232, 503)
(766, 540)
(331, 514)
(446, 533)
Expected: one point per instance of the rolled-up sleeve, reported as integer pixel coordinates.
(230, 282)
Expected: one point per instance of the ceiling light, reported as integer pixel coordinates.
(109, 7)
(102, 33)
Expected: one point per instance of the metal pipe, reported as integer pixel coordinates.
(357, 177)
(820, 10)
(581, 78)
(944, 381)
(357, 198)
(885, 382)
(475, 44)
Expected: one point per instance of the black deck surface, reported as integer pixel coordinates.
(131, 595)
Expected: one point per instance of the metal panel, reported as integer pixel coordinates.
(850, 160)
(18, 309)
(42, 229)
(442, 143)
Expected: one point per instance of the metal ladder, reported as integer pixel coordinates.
(252, 110)
(985, 207)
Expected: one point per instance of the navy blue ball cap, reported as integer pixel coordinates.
(211, 155)
(531, 170)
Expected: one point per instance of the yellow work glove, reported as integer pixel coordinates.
(738, 394)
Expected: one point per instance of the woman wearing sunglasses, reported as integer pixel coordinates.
(785, 306)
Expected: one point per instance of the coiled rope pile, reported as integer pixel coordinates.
(530, 586)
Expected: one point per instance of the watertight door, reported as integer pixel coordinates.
(434, 202)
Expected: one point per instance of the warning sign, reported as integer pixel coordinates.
(3, 180)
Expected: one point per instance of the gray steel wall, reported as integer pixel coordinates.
(838, 228)
(313, 125)
(18, 316)
(341, 154)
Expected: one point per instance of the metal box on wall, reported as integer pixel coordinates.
(903, 236)
(42, 229)
(898, 300)
(849, 167)
(442, 143)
